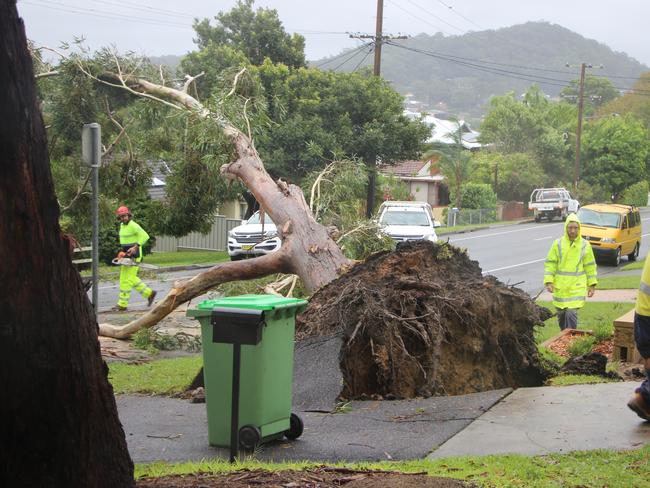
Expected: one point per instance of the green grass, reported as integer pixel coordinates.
(635, 265)
(578, 379)
(618, 283)
(594, 315)
(583, 468)
(180, 258)
(161, 377)
(163, 260)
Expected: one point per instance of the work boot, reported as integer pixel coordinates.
(118, 308)
(150, 298)
(638, 405)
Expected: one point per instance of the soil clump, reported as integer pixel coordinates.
(314, 478)
(423, 320)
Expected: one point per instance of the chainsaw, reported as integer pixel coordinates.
(122, 259)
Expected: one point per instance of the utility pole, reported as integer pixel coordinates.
(581, 100)
(581, 93)
(371, 161)
(378, 36)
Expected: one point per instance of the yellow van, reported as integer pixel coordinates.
(613, 230)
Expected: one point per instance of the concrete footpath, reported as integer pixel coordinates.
(553, 420)
(527, 421)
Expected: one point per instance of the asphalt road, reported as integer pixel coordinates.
(516, 253)
(513, 253)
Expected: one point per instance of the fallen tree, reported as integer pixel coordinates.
(422, 321)
(307, 249)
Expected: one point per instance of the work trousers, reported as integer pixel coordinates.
(129, 280)
(642, 339)
(567, 318)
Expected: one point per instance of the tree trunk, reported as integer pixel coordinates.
(307, 248)
(59, 425)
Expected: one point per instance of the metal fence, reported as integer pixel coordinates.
(215, 240)
(469, 216)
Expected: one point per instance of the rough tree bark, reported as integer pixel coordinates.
(58, 418)
(307, 248)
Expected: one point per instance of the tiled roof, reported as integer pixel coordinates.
(403, 168)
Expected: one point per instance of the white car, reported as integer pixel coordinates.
(408, 221)
(253, 238)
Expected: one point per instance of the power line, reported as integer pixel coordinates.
(497, 71)
(419, 18)
(104, 14)
(344, 53)
(460, 15)
(503, 72)
(435, 16)
(354, 53)
(363, 59)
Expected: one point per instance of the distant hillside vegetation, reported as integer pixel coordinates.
(172, 61)
(441, 76)
(443, 79)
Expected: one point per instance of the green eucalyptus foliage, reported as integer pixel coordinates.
(516, 174)
(338, 196)
(535, 126)
(257, 34)
(319, 116)
(636, 194)
(616, 153)
(598, 91)
(635, 102)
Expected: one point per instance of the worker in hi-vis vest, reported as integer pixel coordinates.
(132, 239)
(570, 273)
(640, 401)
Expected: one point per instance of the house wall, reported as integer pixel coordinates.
(215, 240)
(233, 209)
(425, 192)
(420, 191)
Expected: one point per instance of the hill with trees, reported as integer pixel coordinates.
(461, 73)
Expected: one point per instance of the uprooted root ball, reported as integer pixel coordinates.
(422, 321)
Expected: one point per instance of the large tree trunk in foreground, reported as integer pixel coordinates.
(58, 418)
(307, 249)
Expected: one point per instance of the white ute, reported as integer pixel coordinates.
(253, 239)
(408, 221)
(552, 202)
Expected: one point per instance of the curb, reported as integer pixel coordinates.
(467, 231)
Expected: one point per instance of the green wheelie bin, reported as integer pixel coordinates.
(248, 344)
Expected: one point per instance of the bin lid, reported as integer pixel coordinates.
(250, 302)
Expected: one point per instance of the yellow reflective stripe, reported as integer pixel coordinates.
(569, 273)
(643, 287)
(590, 263)
(569, 299)
(551, 261)
(559, 249)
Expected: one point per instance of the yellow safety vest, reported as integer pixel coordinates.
(571, 267)
(643, 296)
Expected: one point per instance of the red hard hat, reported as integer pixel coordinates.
(123, 210)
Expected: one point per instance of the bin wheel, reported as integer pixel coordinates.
(249, 437)
(295, 427)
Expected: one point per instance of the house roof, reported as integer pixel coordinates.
(403, 168)
(442, 130)
(413, 171)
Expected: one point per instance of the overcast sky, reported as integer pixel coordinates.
(157, 27)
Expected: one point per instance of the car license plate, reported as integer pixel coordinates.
(246, 247)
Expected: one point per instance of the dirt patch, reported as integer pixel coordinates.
(561, 343)
(317, 478)
(423, 321)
